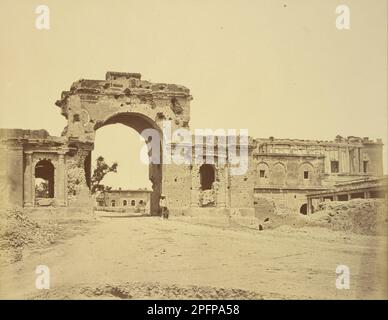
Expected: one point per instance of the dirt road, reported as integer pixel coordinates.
(154, 255)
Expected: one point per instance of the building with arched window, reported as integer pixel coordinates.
(122, 199)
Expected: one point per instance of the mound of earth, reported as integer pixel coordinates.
(146, 290)
(362, 216)
(18, 232)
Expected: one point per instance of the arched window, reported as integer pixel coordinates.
(207, 176)
(278, 174)
(113, 202)
(125, 203)
(44, 179)
(133, 202)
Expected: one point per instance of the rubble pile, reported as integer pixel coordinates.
(362, 216)
(18, 232)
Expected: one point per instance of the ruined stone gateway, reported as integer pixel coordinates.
(282, 174)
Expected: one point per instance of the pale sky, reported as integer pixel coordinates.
(122, 144)
(277, 68)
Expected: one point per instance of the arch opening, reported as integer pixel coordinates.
(303, 209)
(44, 179)
(140, 174)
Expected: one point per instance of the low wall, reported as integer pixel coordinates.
(60, 213)
(284, 202)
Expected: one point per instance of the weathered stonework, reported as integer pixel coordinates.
(328, 163)
(281, 172)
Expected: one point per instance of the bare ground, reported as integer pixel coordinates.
(146, 257)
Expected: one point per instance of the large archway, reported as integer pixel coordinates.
(127, 99)
(140, 122)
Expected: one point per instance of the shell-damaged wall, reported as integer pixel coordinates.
(289, 169)
(228, 191)
(279, 172)
(125, 98)
(91, 104)
(21, 153)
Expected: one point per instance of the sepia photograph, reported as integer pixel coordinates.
(193, 150)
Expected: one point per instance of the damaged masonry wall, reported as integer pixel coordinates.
(280, 171)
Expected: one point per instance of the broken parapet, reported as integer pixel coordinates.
(23, 134)
(338, 141)
(20, 137)
(111, 75)
(125, 98)
(121, 85)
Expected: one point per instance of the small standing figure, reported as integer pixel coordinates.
(163, 206)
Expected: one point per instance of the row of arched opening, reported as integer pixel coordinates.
(277, 174)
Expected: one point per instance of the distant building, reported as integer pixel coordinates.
(129, 200)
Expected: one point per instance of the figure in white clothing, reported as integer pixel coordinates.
(163, 206)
